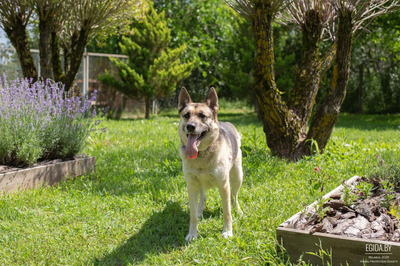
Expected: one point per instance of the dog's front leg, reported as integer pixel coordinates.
(193, 193)
(225, 193)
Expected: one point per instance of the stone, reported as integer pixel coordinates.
(331, 212)
(332, 220)
(367, 231)
(335, 204)
(364, 210)
(338, 215)
(352, 231)
(384, 220)
(396, 236)
(299, 224)
(349, 215)
(346, 209)
(341, 227)
(360, 222)
(316, 228)
(327, 225)
(377, 227)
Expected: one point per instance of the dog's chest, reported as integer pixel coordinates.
(205, 173)
(203, 180)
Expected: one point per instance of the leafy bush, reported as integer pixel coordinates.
(39, 121)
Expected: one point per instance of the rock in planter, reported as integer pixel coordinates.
(49, 174)
(360, 241)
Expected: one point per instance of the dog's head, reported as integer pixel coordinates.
(198, 126)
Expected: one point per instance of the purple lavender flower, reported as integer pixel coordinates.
(40, 115)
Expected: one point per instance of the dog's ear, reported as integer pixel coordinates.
(212, 99)
(184, 99)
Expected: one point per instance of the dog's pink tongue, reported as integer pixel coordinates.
(191, 147)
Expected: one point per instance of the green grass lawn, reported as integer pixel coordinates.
(134, 209)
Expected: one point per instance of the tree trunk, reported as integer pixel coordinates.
(147, 102)
(360, 87)
(327, 114)
(285, 125)
(278, 126)
(45, 25)
(56, 58)
(19, 40)
(77, 47)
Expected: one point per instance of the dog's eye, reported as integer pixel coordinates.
(202, 116)
(187, 115)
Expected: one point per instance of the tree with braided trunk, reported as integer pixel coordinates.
(285, 124)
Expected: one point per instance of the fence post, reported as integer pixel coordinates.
(85, 74)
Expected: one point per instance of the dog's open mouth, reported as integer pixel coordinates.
(193, 141)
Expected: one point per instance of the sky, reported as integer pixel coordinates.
(3, 38)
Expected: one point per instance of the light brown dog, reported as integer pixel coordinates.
(211, 157)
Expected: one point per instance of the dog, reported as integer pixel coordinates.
(211, 157)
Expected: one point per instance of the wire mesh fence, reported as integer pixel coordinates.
(92, 65)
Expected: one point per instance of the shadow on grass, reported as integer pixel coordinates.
(163, 232)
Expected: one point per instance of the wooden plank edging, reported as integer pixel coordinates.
(47, 174)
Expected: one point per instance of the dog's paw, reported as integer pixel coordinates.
(190, 237)
(227, 234)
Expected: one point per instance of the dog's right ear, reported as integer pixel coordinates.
(184, 99)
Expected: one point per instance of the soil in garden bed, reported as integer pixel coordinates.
(6, 169)
(371, 217)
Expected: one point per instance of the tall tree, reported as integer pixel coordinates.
(152, 69)
(285, 124)
(14, 18)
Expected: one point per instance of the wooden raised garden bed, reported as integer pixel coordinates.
(343, 249)
(49, 174)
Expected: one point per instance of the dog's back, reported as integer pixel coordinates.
(229, 132)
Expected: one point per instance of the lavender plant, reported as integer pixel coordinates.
(39, 121)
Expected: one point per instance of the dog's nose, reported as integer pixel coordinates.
(190, 127)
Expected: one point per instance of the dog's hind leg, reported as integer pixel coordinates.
(236, 179)
(202, 202)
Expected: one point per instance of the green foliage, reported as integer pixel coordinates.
(365, 189)
(320, 210)
(153, 69)
(347, 195)
(395, 211)
(377, 53)
(220, 41)
(388, 193)
(325, 255)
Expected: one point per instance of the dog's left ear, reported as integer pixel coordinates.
(212, 99)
